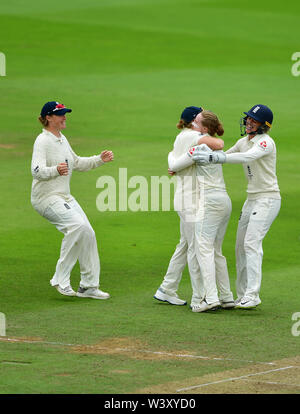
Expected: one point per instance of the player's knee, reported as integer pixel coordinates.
(88, 231)
(84, 229)
(205, 245)
(251, 245)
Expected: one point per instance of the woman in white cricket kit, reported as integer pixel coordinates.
(53, 161)
(257, 153)
(213, 214)
(185, 199)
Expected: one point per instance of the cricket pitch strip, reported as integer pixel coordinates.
(276, 377)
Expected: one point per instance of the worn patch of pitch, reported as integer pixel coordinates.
(7, 146)
(132, 347)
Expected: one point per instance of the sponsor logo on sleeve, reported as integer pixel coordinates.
(263, 145)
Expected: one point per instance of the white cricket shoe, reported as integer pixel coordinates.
(173, 300)
(93, 293)
(204, 306)
(247, 303)
(229, 304)
(237, 301)
(67, 291)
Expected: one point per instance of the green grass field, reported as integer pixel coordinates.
(127, 68)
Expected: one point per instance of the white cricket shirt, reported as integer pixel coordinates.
(186, 187)
(47, 184)
(211, 176)
(258, 156)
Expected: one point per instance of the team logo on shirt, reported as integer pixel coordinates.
(191, 150)
(250, 175)
(263, 144)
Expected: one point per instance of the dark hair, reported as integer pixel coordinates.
(212, 123)
(183, 124)
(264, 129)
(43, 120)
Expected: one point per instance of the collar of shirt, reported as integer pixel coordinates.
(256, 138)
(45, 131)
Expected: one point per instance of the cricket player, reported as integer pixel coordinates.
(53, 161)
(212, 215)
(185, 199)
(257, 153)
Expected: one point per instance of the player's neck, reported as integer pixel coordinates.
(54, 131)
(251, 136)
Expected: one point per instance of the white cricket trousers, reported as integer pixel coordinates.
(79, 243)
(212, 220)
(184, 255)
(255, 220)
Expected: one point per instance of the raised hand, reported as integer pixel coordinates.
(107, 156)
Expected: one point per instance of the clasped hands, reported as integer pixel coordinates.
(203, 155)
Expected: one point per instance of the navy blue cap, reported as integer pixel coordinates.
(190, 113)
(261, 113)
(54, 108)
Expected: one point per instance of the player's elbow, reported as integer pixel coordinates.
(219, 144)
(171, 162)
(172, 167)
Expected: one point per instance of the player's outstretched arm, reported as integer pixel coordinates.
(88, 163)
(187, 159)
(215, 144)
(259, 150)
(253, 154)
(178, 164)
